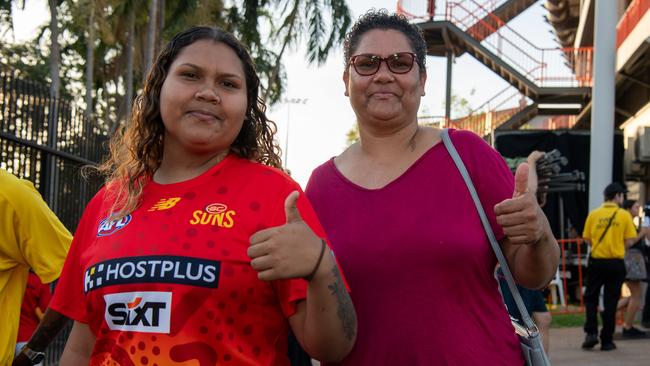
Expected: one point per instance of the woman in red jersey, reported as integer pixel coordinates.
(199, 248)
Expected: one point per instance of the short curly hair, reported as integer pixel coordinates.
(381, 19)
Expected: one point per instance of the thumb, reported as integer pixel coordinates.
(290, 209)
(521, 180)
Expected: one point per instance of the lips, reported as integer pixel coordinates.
(205, 116)
(383, 93)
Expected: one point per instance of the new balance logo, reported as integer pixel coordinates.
(165, 204)
(139, 311)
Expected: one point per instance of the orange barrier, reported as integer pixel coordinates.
(629, 20)
(576, 253)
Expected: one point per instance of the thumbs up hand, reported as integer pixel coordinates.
(521, 217)
(287, 251)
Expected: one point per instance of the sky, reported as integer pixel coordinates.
(318, 119)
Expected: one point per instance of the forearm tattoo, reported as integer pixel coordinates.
(345, 310)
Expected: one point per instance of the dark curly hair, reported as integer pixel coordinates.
(381, 19)
(137, 153)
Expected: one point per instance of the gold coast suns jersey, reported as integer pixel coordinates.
(171, 284)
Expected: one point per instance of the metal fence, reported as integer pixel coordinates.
(47, 141)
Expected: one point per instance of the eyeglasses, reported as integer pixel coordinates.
(368, 64)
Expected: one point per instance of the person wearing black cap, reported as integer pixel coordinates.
(609, 230)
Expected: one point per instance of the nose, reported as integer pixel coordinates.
(207, 94)
(384, 74)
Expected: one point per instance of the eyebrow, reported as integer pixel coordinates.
(226, 74)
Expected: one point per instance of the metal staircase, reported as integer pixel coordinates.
(495, 15)
(479, 28)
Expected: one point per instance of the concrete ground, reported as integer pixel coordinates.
(565, 350)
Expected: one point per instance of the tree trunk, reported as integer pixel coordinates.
(54, 51)
(90, 61)
(160, 23)
(151, 38)
(128, 98)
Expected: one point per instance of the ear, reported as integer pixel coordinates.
(423, 82)
(346, 76)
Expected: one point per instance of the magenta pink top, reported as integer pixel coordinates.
(418, 262)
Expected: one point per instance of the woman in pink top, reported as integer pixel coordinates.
(404, 227)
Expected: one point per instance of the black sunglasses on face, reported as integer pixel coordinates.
(368, 64)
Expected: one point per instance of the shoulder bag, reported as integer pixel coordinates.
(528, 333)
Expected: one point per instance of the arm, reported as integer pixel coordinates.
(39, 314)
(533, 266)
(631, 241)
(327, 314)
(79, 346)
(325, 323)
(529, 246)
(47, 329)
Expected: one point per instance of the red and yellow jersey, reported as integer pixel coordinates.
(171, 284)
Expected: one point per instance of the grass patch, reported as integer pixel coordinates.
(568, 320)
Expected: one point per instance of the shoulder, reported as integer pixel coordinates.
(627, 215)
(468, 140)
(324, 169)
(476, 152)
(268, 176)
(15, 189)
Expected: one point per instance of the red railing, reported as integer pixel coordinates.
(571, 254)
(433, 121)
(630, 19)
(426, 9)
(493, 113)
(561, 122)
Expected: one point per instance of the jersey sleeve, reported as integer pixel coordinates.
(69, 298)
(41, 237)
(630, 230)
(490, 174)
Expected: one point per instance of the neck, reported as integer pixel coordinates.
(389, 143)
(175, 168)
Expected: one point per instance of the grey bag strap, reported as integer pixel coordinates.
(528, 322)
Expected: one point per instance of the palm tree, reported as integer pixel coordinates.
(151, 37)
(324, 21)
(55, 55)
(90, 60)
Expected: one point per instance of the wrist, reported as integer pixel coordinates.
(34, 356)
(323, 249)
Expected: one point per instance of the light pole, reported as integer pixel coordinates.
(289, 102)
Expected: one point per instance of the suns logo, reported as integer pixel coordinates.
(215, 208)
(109, 227)
(215, 214)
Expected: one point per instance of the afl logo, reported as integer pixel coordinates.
(216, 208)
(109, 227)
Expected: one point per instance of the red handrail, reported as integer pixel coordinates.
(563, 267)
(630, 19)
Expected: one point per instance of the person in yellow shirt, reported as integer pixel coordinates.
(609, 230)
(31, 236)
